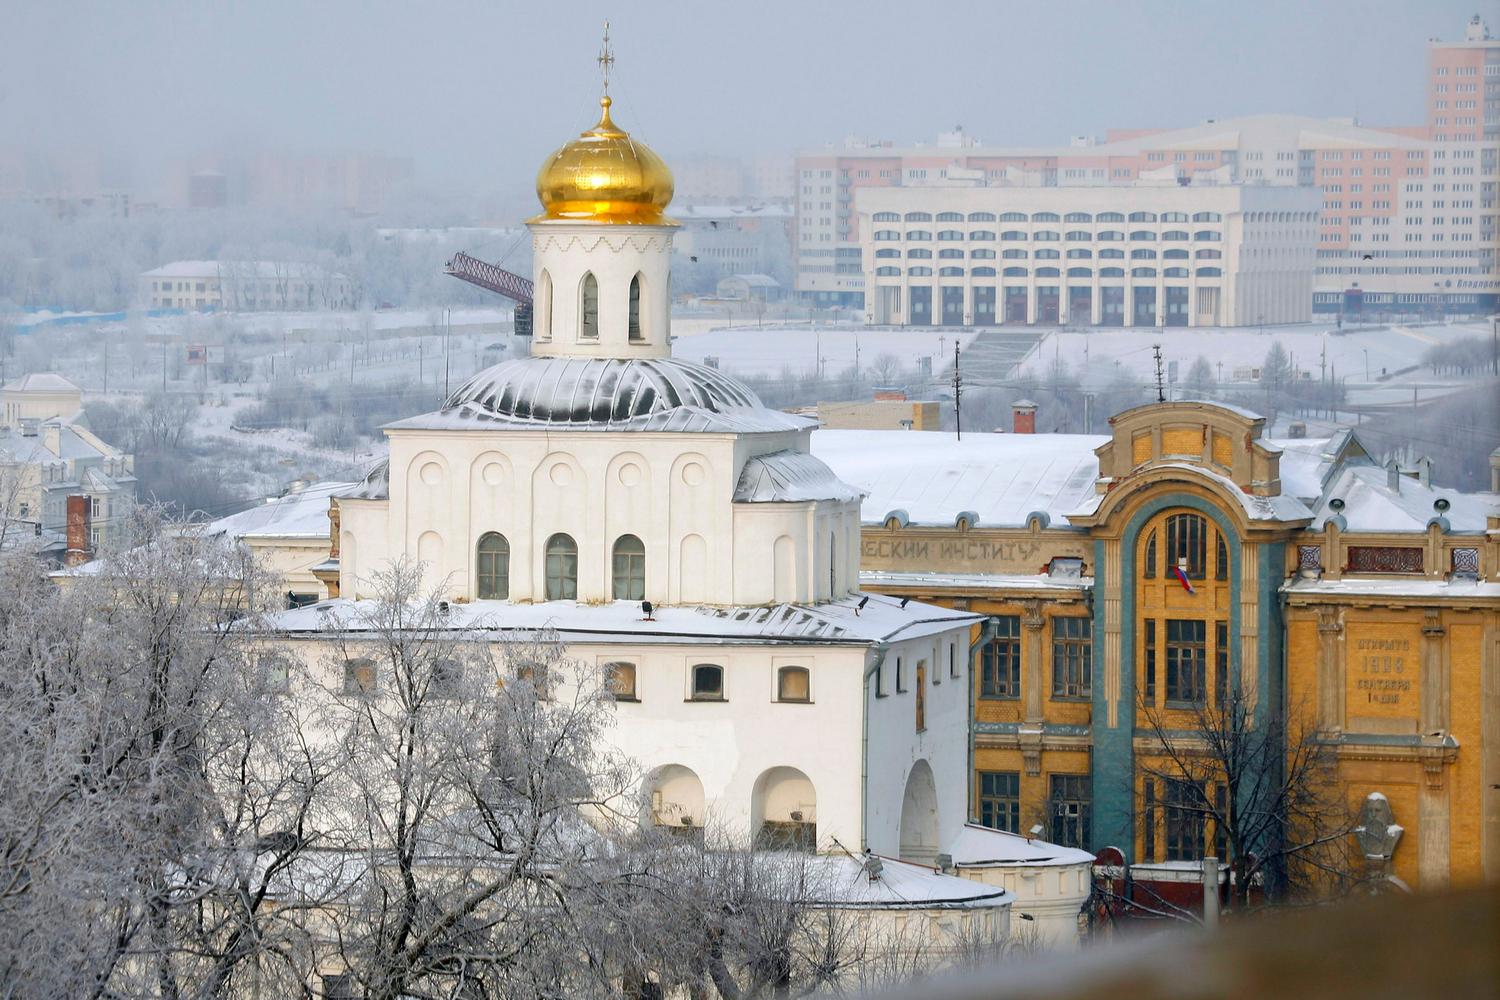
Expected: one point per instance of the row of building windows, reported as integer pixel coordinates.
(588, 308)
(1049, 217)
(1049, 272)
(560, 558)
(1051, 236)
(1077, 253)
(706, 680)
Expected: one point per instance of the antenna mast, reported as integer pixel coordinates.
(1161, 390)
(958, 413)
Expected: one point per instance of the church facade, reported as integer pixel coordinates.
(679, 538)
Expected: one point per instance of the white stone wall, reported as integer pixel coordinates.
(673, 491)
(897, 747)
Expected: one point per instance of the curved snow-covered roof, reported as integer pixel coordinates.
(789, 477)
(649, 394)
(981, 847)
(377, 483)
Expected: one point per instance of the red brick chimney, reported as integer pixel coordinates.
(1023, 417)
(891, 392)
(79, 536)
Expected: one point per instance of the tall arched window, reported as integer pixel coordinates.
(1187, 539)
(629, 569)
(636, 334)
(492, 563)
(562, 568)
(588, 312)
(543, 329)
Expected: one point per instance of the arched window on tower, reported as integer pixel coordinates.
(588, 313)
(637, 335)
(493, 566)
(543, 329)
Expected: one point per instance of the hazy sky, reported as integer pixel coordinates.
(478, 92)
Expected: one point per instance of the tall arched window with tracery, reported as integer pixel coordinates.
(637, 332)
(588, 308)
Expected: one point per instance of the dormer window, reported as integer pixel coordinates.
(588, 313)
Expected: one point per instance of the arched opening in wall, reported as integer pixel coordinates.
(628, 569)
(562, 568)
(620, 679)
(637, 333)
(693, 569)
(430, 551)
(784, 556)
(793, 684)
(784, 811)
(707, 682)
(588, 308)
(674, 801)
(543, 330)
(919, 816)
(492, 567)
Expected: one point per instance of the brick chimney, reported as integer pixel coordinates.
(80, 548)
(1023, 417)
(895, 393)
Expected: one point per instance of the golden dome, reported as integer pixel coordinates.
(604, 176)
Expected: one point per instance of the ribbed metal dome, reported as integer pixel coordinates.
(575, 391)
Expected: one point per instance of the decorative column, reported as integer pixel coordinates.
(1331, 669)
(1434, 806)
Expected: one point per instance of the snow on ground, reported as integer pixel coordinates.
(1234, 352)
(750, 350)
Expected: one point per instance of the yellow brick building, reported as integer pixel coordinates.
(1129, 578)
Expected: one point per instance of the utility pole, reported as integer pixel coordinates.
(958, 412)
(1161, 389)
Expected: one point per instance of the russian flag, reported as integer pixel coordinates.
(1182, 579)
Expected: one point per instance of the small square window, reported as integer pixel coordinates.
(359, 677)
(708, 682)
(793, 684)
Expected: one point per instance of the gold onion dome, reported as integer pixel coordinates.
(604, 176)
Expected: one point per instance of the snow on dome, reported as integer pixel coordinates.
(790, 477)
(608, 394)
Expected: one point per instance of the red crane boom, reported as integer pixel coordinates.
(498, 280)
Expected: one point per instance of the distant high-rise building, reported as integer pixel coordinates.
(1463, 86)
(208, 189)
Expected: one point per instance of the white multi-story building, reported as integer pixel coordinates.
(245, 286)
(953, 253)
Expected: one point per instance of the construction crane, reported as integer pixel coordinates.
(497, 280)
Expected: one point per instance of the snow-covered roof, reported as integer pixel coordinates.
(1306, 463)
(377, 483)
(695, 212)
(883, 580)
(1370, 503)
(840, 622)
(42, 382)
(1457, 588)
(981, 847)
(1257, 508)
(606, 394)
(789, 477)
(753, 280)
(933, 478)
(303, 514)
(843, 881)
(258, 269)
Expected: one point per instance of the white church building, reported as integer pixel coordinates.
(671, 529)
